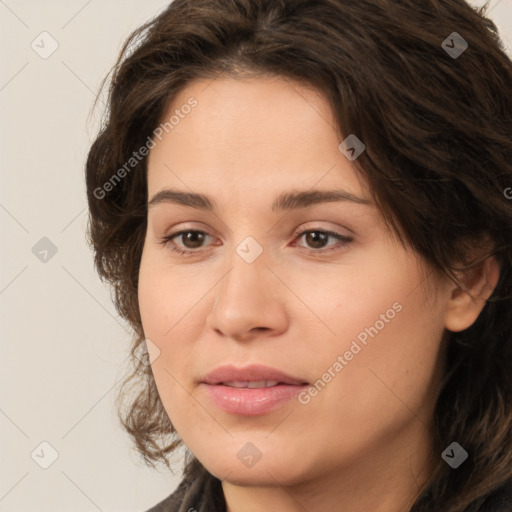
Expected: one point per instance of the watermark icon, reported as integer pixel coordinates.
(249, 454)
(454, 455)
(249, 249)
(304, 397)
(44, 250)
(146, 352)
(44, 45)
(143, 151)
(351, 147)
(454, 45)
(44, 455)
(508, 192)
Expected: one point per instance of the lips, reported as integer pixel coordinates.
(251, 390)
(249, 376)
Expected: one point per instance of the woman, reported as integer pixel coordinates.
(302, 208)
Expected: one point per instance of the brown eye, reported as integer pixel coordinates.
(193, 239)
(316, 240)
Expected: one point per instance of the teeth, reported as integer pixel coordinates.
(259, 384)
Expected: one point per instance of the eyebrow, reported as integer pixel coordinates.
(285, 201)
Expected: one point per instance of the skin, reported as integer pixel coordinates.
(363, 442)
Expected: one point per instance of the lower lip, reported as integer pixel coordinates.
(251, 402)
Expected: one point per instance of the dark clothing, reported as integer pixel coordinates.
(203, 493)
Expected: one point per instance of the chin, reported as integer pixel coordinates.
(267, 471)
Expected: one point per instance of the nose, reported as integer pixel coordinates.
(249, 302)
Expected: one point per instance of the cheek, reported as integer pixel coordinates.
(374, 318)
(169, 301)
(165, 294)
(388, 369)
(162, 304)
(340, 302)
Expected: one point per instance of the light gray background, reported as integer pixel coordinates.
(63, 347)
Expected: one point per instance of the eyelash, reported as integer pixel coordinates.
(313, 252)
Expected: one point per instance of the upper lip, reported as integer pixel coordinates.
(251, 373)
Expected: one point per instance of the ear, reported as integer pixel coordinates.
(463, 308)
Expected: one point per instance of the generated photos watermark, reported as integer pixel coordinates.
(143, 151)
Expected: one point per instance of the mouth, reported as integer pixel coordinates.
(252, 390)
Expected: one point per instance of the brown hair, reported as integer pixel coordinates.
(438, 136)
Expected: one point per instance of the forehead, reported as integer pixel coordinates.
(258, 132)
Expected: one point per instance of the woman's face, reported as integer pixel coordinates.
(349, 316)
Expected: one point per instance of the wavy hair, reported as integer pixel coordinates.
(438, 135)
